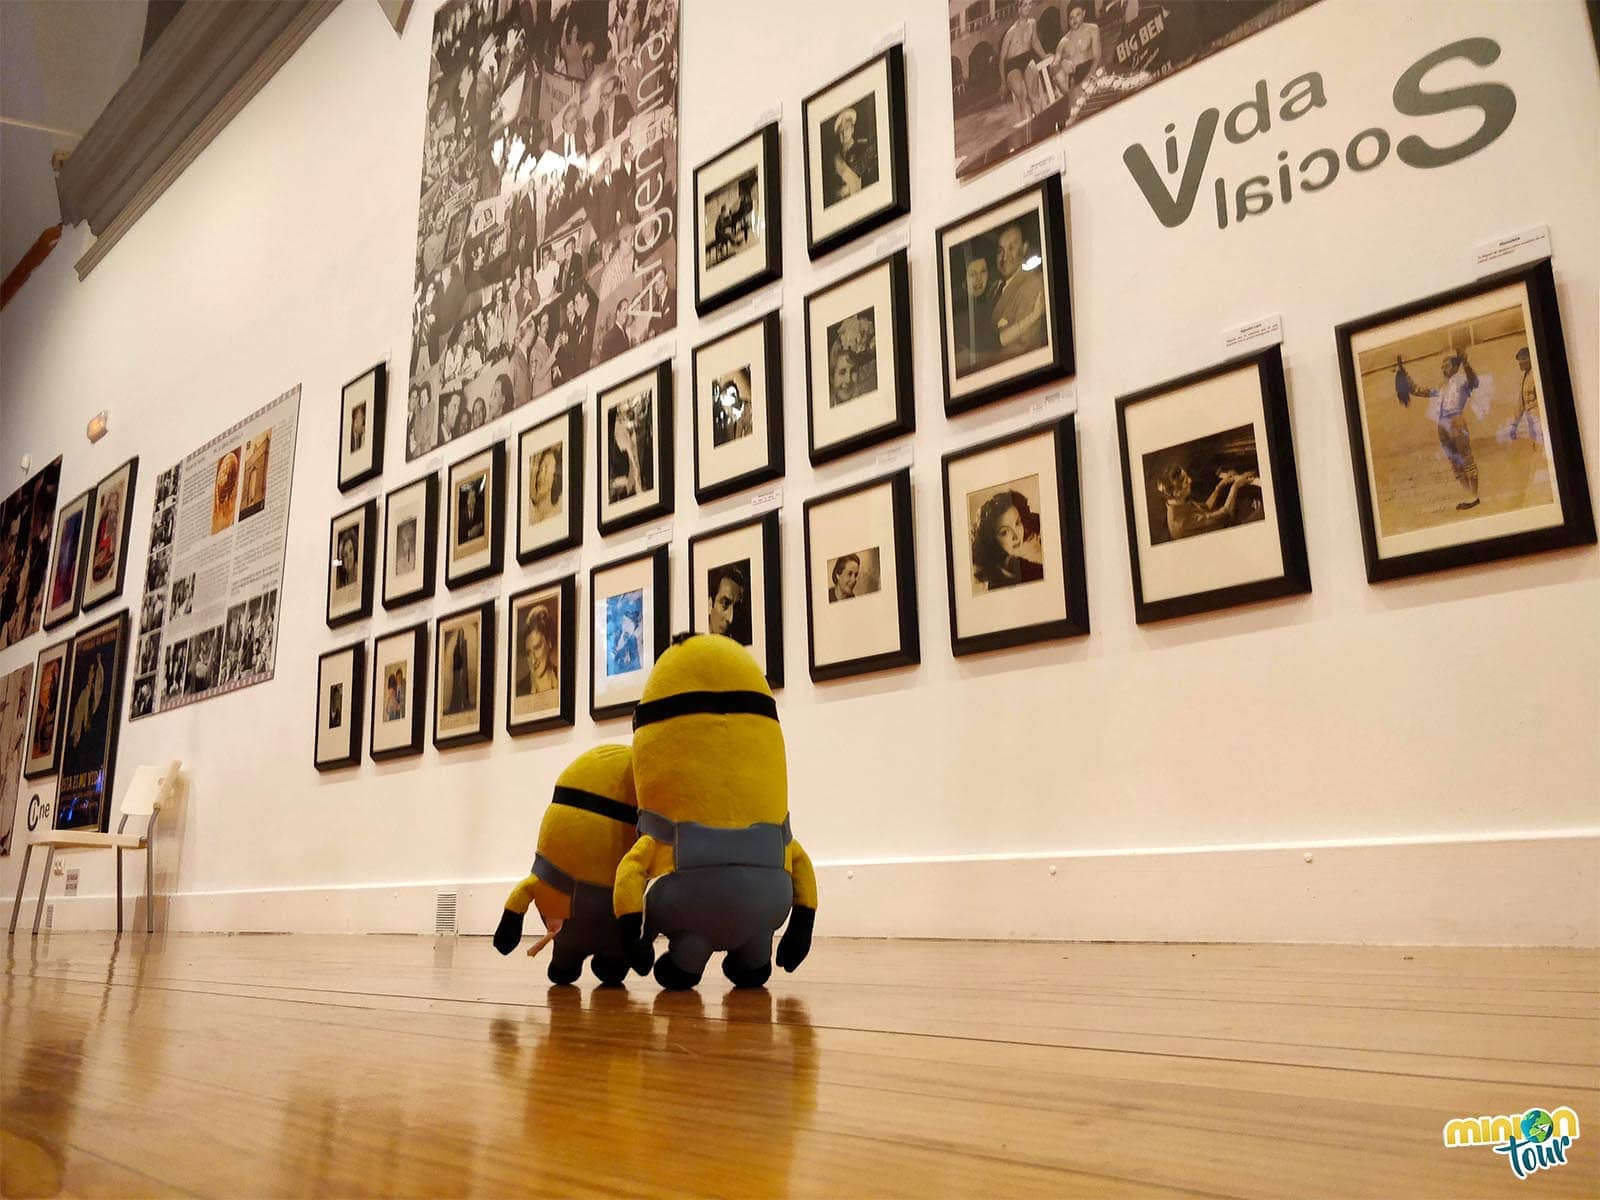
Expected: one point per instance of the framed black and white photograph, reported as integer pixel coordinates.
(1463, 433)
(352, 539)
(1005, 306)
(361, 427)
(738, 409)
(463, 672)
(63, 586)
(857, 166)
(1211, 495)
(44, 720)
(399, 692)
(861, 586)
(858, 360)
(475, 513)
(93, 717)
(633, 423)
(108, 547)
(542, 657)
(736, 589)
(630, 626)
(1013, 530)
(410, 542)
(550, 486)
(341, 686)
(738, 236)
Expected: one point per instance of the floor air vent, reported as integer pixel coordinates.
(444, 913)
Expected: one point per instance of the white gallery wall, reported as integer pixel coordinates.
(1418, 761)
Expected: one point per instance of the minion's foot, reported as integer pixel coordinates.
(673, 977)
(746, 977)
(564, 973)
(609, 971)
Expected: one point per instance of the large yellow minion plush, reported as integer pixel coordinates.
(586, 830)
(715, 848)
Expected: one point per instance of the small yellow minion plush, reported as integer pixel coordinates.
(586, 830)
(713, 796)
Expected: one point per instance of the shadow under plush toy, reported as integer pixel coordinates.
(712, 787)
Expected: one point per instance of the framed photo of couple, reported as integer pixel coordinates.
(475, 516)
(399, 692)
(737, 381)
(463, 672)
(542, 658)
(738, 233)
(361, 427)
(410, 542)
(856, 159)
(630, 626)
(341, 683)
(736, 589)
(550, 486)
(351, 538)
(633, 420)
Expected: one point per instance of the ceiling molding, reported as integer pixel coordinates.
(396, 11)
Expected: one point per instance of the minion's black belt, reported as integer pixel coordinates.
(601, 805)
(696, 845)
(755, 704)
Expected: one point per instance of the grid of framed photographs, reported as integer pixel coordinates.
(738, 409)
(738, 230)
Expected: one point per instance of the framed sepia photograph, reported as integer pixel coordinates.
(633, 423)
(542, 657)
(410, 542)
(1463, 433)
(736, 589)
(858, 360)
(738, 409)
(108, 547)
(352, 539)
(738, 236)
(630, 625)
(1013, 530)
(399, 692)
(861, 587)
(463, 672)
(341, 684)
(475, 513)
(1211, 495)
(1005, 305)
(550, 486)
(361, 427)
(857, 167)
(63, 586)
(93, 717)
(49, 702)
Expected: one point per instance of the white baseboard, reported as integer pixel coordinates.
(1534, 890)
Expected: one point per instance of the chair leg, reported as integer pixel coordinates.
(44, 886)
(150, 882)
(119, 889)
(16, 908)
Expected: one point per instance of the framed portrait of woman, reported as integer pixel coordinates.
(857, 164)
(410, 542)
(738, 409)
(44, 723)
(108, 547)
(542, 657)
(341, 684)
(1013, 533)
(736, 589)
(463, 672)
(738, 235)
(633, 423)
(861, 585)
(630, 625)
(399, 692)
(550, 486)
(63, 586)
(361, 427)
(475, 515)
(352, 537)
(1210, 490)
(1005, 298)
(858, 360)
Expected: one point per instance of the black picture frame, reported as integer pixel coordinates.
(56, 615)
(353, 720)
(1068, 513)
(571, 485)
(483, 731)
(427, 541)
(660, 376)
(898, 201)
(767, 528)
(1062, 360)
(417, 699)
(772, 375)
(91, 599)
(565, 590)
(903, 420)
(376, 424)
(61, 652)
(494, 519)
(85, 786)
(363, 517)
(908, 648)
(660, 631)
(706, 299)
(1565, 450)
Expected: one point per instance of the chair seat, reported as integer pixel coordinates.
(69, 839)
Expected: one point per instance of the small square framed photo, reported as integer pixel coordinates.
(410, 542)
(630, 625)
(738, 409)
(736, 589)
(399, 692)
(858, 360)
(341, 686)
(44, 724)
(1463, 433)
(352, 539)
(108, 549)
(361, 426)
(738, 235)
(1013, 532)
(1210, 491)
(542, 657)
(475, 516)
(861, 585)
(1005, 305)
(463, 672)
(857, 165)
(550, 486)
(64, 585)
(633, 423)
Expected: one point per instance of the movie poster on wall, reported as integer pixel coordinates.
(1020, 73)
(27, 520)
(208, 623)
(15, 690)
(546, 227)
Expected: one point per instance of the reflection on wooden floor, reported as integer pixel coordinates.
(354, 1066)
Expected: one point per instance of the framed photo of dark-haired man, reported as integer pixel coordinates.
(475, 516)
(542, 657)
(352, 538)
(736, 589)
(856, 158)
(361, 427)
(738, 235)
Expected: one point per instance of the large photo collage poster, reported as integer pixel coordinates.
(209, 620)
(546, 239)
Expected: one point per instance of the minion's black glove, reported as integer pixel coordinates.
(639, 953)
(509, 932)
(796, 941)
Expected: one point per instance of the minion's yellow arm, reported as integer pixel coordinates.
(521, 896)
(646, 861)
(799, 867)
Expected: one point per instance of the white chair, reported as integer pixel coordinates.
(151, 788)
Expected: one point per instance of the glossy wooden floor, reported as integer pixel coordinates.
(356, 1066)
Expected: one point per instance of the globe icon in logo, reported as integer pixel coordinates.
(1537, 1125)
